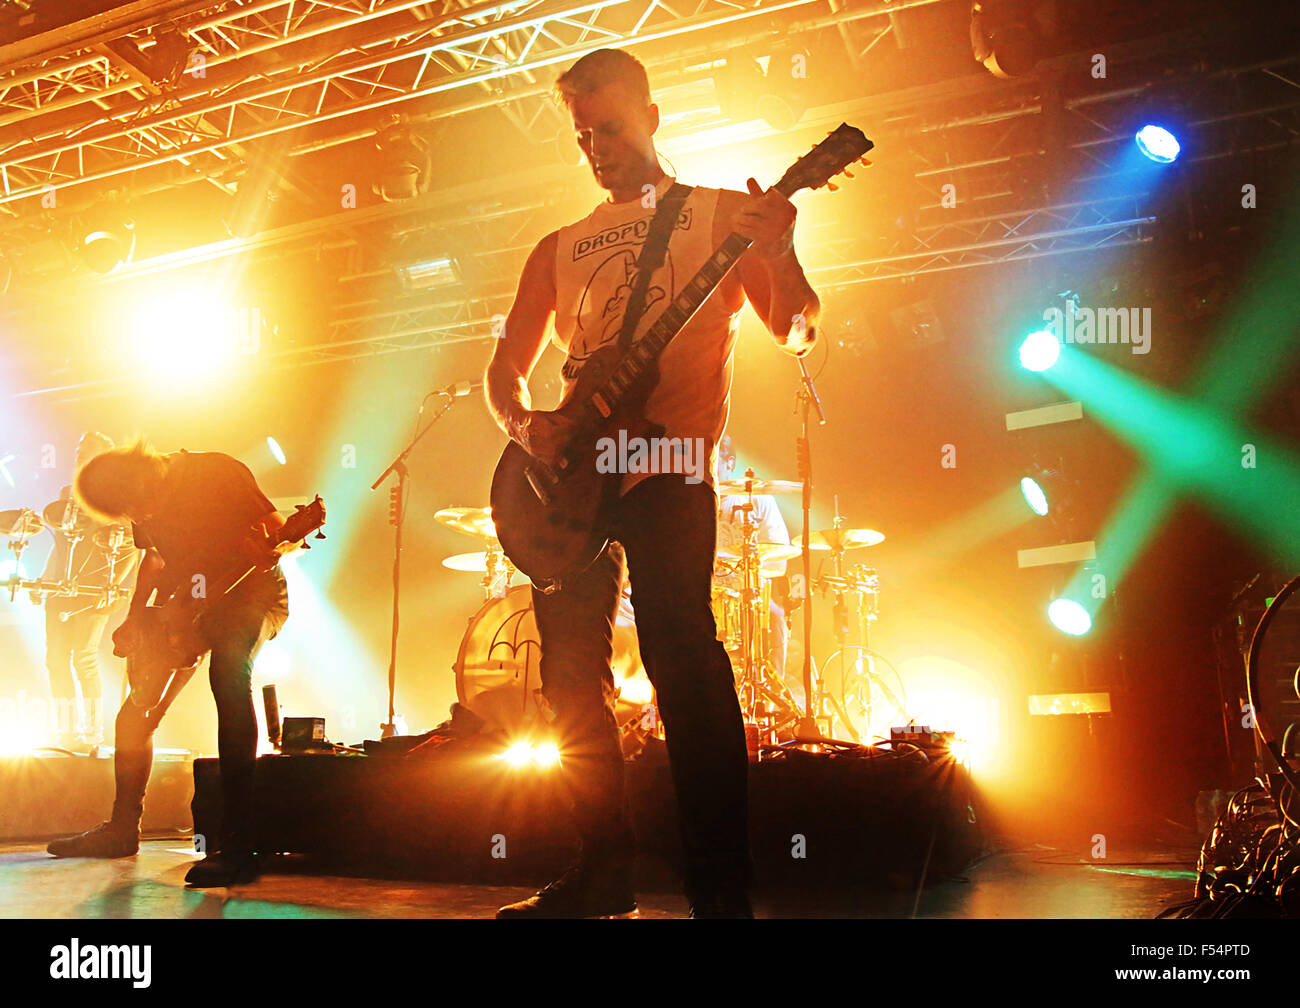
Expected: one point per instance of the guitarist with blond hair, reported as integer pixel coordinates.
(202, 522)
(581, 278)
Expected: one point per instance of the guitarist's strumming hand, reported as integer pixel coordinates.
(542, 434)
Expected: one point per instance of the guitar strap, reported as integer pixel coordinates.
(652, 256)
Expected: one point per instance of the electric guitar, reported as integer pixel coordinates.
(552, 520)
(166, 637)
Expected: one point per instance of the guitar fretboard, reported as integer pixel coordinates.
(648, 348)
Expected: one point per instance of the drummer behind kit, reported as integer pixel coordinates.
(84, 578)
(497, 667)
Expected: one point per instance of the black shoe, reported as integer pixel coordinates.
(222, 869)
(107, 840)
(722, 906)
(579, 893)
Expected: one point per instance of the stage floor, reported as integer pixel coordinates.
(1031, 881)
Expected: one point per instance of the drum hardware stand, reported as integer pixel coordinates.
(863, 582)
(398, 466)
(749, 698)
(807, 401)
(498, 574)
(755, 691)
(17, 543)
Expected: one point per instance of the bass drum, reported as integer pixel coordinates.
(498, 667)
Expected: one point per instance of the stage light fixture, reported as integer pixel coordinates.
(428, 274)
(1069, 617)
(524, 753)
(1034, 495)
(1157, 143)
(405, 164)
(108, 239)
(1002, 39)
(773, 88)
(276, 451)
(1039, 351)
(17, 740)
(185, 335)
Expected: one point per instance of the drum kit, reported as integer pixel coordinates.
(498, 664)
(64, 518)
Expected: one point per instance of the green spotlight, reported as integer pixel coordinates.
(1034, 496)
(1069, 617)
(1039, 351)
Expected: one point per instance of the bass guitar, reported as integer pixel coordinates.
(166, 637)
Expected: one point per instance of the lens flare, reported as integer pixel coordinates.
(1039, 351)
(1069, 617)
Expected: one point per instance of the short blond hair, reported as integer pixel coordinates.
(600, 68)
(110, 483)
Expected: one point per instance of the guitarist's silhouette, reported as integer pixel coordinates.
(576, 531)
(209, 535)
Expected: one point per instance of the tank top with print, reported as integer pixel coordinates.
(595, 268)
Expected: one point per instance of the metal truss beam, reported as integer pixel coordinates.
(261, 69)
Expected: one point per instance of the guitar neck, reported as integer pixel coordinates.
(647, 350)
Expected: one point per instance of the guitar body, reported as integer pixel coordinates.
(552, 539)
(165, 641)
(162, 643)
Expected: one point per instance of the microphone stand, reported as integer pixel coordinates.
(398, 465)
(807, 401)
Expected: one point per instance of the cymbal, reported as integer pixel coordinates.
(471, 562)
(470, 520)
(736, 487)
(845, 538)
(57, 511)
(104, 540)
(20, 523)
(767, 552)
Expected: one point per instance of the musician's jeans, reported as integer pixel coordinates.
(72, 650)
(667, 530)
(237, 630)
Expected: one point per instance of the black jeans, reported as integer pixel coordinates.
(665, 532)
(236, 627)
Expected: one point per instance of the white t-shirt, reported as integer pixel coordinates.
(766, 515)
(595, 268)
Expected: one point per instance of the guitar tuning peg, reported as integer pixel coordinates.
(847, 173)
(832, 187)
(306, 544)
(864, 162)
(320, 535)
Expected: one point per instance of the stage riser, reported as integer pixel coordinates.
(861, 824)
(44, 798)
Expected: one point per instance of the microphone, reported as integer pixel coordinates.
(458, 389)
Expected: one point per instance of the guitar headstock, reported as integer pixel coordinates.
(305, 520)
(841, 148)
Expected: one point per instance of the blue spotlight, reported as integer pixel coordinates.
(1069, 617)
(1157, 143)
(1039, 351)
